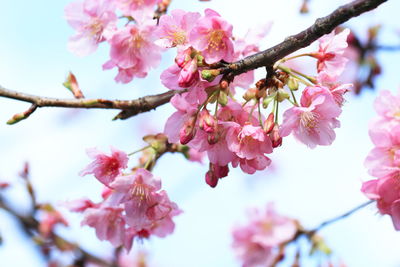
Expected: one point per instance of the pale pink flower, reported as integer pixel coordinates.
(49, 221)
(136, 7)
(384, 158)
(387, 106)
(313, 122)
(256, 244)
(250, 166)
(104, 167)
(108, 222)
(195, 155)
(211, 36)
(173, 30)
(127, 75)
(79, 205)
(338, 90)
(330, 53)
(133, 49)
(386, 192)
(145, 207)
(94, 21)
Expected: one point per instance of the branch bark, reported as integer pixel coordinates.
(293, 43)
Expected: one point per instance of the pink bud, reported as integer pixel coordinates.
(269, 123)
(275, 137)
(188, 130)
(215, 173)
(207, 122)
(183, 57)
(188, 74)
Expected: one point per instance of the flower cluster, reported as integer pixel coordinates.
(257, 243)
(383, 161)
(209, 119)
(133, 206)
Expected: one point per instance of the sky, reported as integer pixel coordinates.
(310, 185)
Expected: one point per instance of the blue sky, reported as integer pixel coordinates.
(311, 185)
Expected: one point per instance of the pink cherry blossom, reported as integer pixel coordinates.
(211, 36)
(384, 158)
(94, 21)
(248, 141)
(173, 30)
(133, 50)
(387, 106)
(386, 192)
(108, 222)
(256, 243)
(338, 90)
(49, 221)
(250, 166)
(104, 167)
(136, 7)
(330, 54)
(313, 122)
(145, 207)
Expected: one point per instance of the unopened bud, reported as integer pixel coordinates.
(249, 94)
(269, 123)
(293, 84)
(187, 131)
(207, 122)
(215, 173)
(213, 138)
(268, 100)
(275, 137)
(183, 57)
(209, 75)
(224, 84)
(189, 74)
(282, 95)
(222, 98)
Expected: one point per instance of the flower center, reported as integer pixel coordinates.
(309, 120)
(215, 40)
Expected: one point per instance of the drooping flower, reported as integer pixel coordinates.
(256, 244)
(94, 21)
(386, 192)
(330, 53)
(104, 167)
(313, 122)
(211, 36)
(108, 222)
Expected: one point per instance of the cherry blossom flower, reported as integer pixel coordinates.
(108, 222)
(313, 122)
(384, 158)
(387, 106)
(133, 50)
(256, 243)
(105, 168)
(94, 21)
(173, 30)
(211, 36)
(386, 192)
(136, 7)
(330, 54)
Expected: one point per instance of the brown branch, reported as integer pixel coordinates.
(31, 225)
(129, 107)
(293, 43)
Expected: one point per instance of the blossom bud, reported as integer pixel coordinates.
(268, 100)
(215, 173)
(275, 137)
(222, 98)
(187, 131)
(223, 84)
(269, 123)
(207, 122)
(249, 94)
(209, 75)
(282, 95)
(183, 57)
(213, 138)
(293, 84)
(188, 74)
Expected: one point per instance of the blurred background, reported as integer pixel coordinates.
(310, 185)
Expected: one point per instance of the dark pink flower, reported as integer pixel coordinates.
(105, 168)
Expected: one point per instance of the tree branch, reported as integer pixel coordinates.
(129, 107)
(264, 58)
(293, 43)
